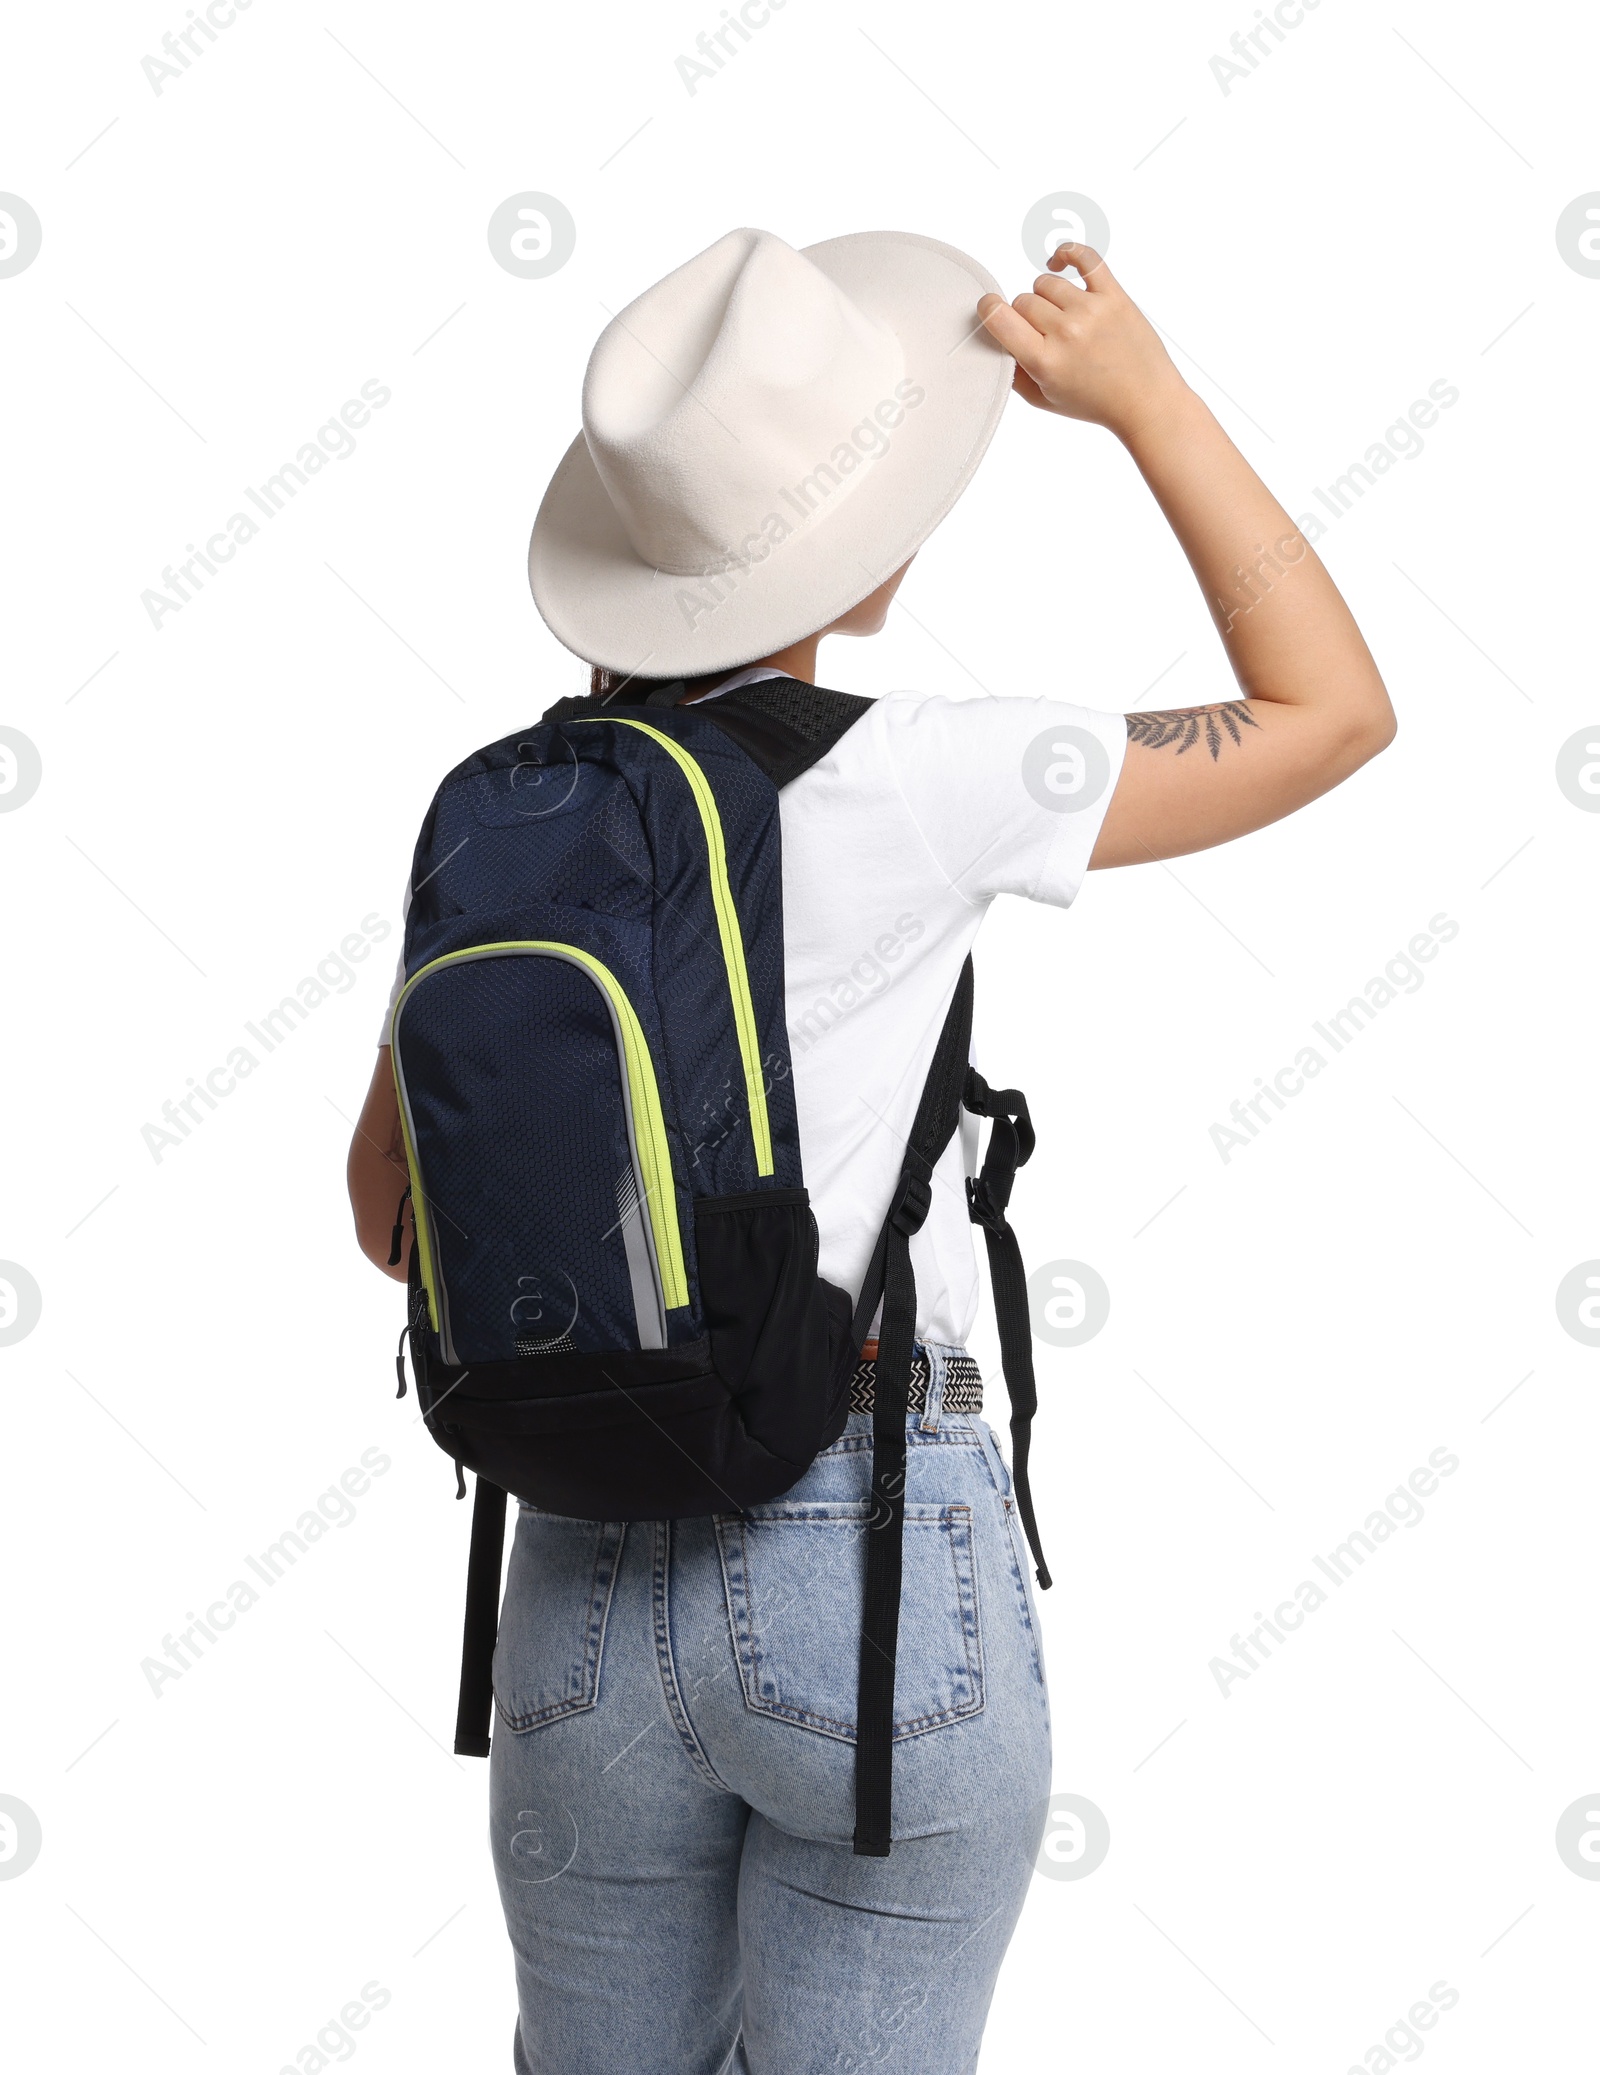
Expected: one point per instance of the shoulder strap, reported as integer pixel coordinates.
(782, 724)
(785, 725)
(890, 1276)
(952, 1085)
(573, 708)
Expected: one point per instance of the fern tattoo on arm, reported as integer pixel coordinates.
(1190, 725)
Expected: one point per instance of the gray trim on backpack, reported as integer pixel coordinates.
(649, 1313)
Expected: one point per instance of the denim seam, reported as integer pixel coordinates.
(1016, 1555)
(945, 1437)
(973, 1637)
(671, 1693)
(991, 1459)
(824, 1511)
(601, 1588)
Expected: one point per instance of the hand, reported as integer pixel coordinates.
(1085, 352)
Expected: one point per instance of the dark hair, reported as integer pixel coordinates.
(631, 690)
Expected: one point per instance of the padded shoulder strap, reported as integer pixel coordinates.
(783, 725)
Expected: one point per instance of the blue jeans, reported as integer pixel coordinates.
(672, 1776)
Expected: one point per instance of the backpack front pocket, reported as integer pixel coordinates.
(541, 1173)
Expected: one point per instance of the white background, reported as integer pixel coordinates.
(1292, 1331)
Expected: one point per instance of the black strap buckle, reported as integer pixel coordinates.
(911, 1206)
(981, 1206)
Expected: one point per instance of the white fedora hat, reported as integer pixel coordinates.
(767, 435)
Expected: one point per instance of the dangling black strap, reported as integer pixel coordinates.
(890, 1276)
(476, 1705)
(880, 1608)
(1011, 1143)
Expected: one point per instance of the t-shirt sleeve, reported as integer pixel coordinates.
(1009, 793)
(400, 969)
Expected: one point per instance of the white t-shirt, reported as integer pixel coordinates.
(894, 844)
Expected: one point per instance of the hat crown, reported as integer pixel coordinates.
(715, 397)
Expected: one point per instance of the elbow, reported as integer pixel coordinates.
(1371, 731)
(1382, 731)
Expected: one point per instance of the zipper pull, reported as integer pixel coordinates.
(461, 1480)
(399, 1229)
(400, 1362)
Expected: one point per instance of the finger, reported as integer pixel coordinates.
(1042, 313)
(1096, 274)
(1006, 328)
(1057, 289)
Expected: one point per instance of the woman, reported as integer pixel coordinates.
(671, 1774)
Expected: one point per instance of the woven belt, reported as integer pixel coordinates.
(963, 1384)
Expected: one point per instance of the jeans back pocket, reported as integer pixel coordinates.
(553, 1622)
(793, 1577)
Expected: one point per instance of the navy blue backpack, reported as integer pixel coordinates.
(614, 1305)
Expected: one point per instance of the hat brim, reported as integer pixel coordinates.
(602, 601)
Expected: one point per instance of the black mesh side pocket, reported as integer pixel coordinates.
(780, 1335)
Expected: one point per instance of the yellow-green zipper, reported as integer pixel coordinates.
(744, 1009)
(650, 1130)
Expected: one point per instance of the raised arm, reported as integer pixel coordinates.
(1317, 708)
